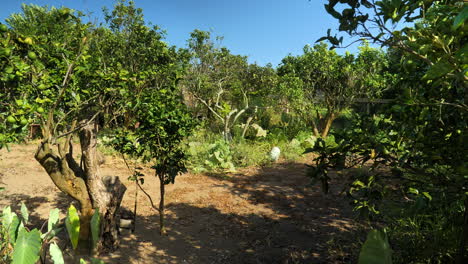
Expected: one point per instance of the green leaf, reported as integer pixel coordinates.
(27, 247)
(460, 19)
(56, 254)
(376, 249)
(14, 227)
(24, 213)
(95, 227)
(330, 10)
(53, 219)
(7, 216)
(427, 195)
(72, 222)
(413, 191)
(321, 39)
(437, 70)
(359, 183)
(96, 261)
(82, 261)
(51, 234)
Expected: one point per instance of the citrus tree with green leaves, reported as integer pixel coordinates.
(135, 59)
(58, 88)
(156, 138)
(143, 72)
(16, 60)
(321, 78)
(77, 78)
(423, 131)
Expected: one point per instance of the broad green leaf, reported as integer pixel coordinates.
(461, 18)
(437, 70)
(72, 223)
(82, 261)
(14, 227)
(56, 254)
(376, 249)
(24, 213)
(53, 219)
(95, 227)
(27, 247)
(413, 190)
(7, 216)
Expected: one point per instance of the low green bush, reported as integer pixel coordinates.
(209, 152)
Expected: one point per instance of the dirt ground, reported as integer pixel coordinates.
(258, 215)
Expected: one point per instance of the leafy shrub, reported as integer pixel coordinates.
(198, 149)
(250, 153)
(220, 156)
(209, 152)
(19, 245)
(376, 249)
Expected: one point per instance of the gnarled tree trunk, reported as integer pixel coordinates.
(86, 185)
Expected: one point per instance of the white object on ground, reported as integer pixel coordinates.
(275, 153)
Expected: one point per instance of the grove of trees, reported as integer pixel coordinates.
(196, 107)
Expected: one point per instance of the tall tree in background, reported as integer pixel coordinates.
(214, 81)
(325, 79)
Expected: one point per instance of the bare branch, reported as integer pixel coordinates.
(80, 126)
(140, 187)
(209, 107)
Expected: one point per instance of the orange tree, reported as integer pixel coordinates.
(321, 78)
(421, 134)
(57, 88)
(73, 78)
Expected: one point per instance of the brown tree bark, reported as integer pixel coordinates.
(162, 190)
(86, 185)
(315, 129)
(329, 118)
(106, 193)
(70, 182)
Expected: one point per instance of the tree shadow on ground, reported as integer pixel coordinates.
(303, 223)
(63, 201)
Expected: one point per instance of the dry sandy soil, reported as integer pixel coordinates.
(258, 215)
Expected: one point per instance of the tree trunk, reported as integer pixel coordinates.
(328, 122)
(106, 193)
(315, 129)
(85, 185)
(247, 125)
(70, 182)
(162, 190)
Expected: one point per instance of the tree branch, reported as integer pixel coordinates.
(209, 107)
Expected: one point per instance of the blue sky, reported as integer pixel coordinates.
(264, 30)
